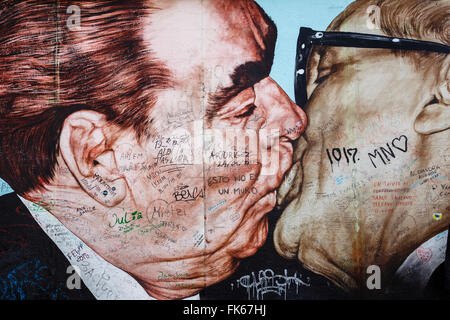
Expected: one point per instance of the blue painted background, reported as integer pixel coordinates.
(289, 16)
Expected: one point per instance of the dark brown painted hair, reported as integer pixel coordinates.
(48, 72)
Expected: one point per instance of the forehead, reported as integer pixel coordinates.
(357, 22)
(193, 36)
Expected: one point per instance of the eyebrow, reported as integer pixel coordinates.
(248, 74)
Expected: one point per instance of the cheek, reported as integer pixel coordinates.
(231, 162)
(162, 167)
(130, 159)
(195, 165)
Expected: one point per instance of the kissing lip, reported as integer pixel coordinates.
(286, 190)
(268, 201)
(270, 184)
(251, 204)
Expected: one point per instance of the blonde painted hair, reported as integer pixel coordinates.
(412, 19)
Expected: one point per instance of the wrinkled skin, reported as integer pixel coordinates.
(172, 242)
(365, 98)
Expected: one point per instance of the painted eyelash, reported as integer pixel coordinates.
(322, 78)
(247, 113)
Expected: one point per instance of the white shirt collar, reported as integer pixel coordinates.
(105, 281)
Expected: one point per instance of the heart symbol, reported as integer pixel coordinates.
(399, 141)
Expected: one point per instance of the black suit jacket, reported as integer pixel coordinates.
(31, 265)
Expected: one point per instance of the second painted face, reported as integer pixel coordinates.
(351, 198)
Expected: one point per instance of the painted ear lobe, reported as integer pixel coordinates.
(84, 149)
(436, 116)
(433, 119)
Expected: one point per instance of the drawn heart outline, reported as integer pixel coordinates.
(399, 140)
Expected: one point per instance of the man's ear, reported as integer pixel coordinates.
(85, 149)
(435, 117)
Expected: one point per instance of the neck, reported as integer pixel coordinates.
(132, 245)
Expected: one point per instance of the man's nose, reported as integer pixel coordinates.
(281, 112)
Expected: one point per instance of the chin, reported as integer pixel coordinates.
(215, 272)
(172, 294)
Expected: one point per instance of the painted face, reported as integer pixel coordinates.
(352, 197)
(220, 138)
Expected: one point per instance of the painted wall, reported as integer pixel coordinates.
(289, 16)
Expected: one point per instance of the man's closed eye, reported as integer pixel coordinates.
(247, 113)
